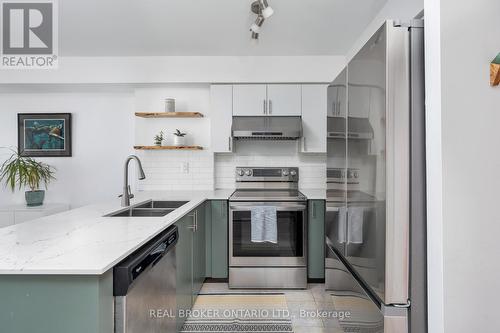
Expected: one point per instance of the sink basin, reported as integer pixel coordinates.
(162, 204)
(141, 212)
(150, 208)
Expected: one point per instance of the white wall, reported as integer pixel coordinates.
(181, 69)
(435, 287)
(102, 124)
(164, 169)
(470, 119)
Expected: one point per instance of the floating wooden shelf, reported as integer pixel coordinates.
(169, 114)
(168, 147)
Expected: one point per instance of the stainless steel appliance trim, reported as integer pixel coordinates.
(418, 230)
(280, 206)
(268, 277)
(398, 165)
(260, 183)
(155, 290)
(267, 261)
(267, 127)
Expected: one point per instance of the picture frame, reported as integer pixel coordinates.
(44, 134)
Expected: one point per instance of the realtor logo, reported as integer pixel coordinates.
(29, 34)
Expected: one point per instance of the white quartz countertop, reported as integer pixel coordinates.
(84, 242)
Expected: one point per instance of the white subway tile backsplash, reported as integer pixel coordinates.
(164, 171)
(312, 167)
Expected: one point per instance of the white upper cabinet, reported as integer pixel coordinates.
(284, 100)
(314, 111)
(249, 99)
(267, 100)
(221, 113)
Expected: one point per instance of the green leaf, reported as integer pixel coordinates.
(25, 172)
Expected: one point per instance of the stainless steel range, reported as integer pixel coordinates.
(282, 264)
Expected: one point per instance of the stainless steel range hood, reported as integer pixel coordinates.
(267, 128)
(359, 128)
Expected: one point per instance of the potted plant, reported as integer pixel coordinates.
(26, 172)
(158, 138)
(179, 138)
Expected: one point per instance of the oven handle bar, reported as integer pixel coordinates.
(279, 207)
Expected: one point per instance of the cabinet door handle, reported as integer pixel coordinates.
(229, 143)
(270, 107)
(196, 220)
(265, 107)
(314, 209)
(193, 227)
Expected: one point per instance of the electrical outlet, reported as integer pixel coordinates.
(185, 167)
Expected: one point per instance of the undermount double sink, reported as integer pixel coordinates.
(151, 208)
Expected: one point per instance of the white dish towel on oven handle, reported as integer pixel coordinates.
(264, 224)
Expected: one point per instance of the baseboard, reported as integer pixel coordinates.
(216, 280)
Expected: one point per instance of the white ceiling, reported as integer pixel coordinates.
(210, 27)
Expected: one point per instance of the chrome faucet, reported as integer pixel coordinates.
(127, 195)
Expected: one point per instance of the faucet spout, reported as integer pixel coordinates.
(126, 195)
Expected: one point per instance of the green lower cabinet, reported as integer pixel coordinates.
(316, 239)
(199, 245)
(190, 260)
(219, 251)
(56, 303)
(184, 266)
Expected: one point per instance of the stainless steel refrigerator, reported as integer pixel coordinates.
(375, 265)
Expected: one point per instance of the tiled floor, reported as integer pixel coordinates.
(302, 305)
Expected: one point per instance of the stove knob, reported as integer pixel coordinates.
(240, 172)
(248, 172)
(284, 173)
(293, 173)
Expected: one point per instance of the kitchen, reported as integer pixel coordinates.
(203, 176)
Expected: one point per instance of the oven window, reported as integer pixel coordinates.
(290, 236)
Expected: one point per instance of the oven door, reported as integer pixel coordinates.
(290, 250)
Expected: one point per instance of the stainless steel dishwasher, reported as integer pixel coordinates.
(144, 287)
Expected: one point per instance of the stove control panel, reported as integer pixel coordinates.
(267, 174)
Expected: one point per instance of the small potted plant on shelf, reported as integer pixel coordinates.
(179, 138)
(158, 139)
(21, 171)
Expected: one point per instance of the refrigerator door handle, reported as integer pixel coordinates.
(398, 166)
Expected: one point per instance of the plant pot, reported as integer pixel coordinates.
(179, 141)
(164, 143)
(34, 198)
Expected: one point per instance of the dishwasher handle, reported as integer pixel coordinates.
(130, 269)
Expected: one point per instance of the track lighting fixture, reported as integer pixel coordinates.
(255, 27)
(267, 10)
(263, 11)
